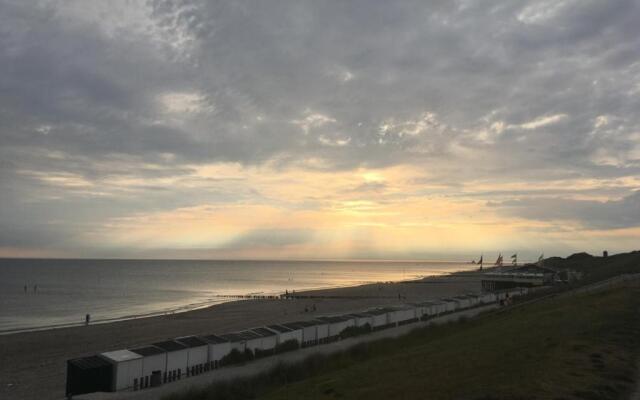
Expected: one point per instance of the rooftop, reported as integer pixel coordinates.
(264, 332)
(121, 355)
(279, 328)
(148, 351)
(191, 341)
(89, 362)
(215, 339)
(170, 345)
(232, 337)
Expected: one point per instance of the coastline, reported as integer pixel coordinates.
(35, 364)
(215, 300)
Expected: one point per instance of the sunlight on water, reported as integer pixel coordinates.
(112, 289)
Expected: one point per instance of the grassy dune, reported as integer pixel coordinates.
(581, 347)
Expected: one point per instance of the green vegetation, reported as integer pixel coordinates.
(352, 331)
(237, 357)
(576, 347)
(289, 345)
(597, 268)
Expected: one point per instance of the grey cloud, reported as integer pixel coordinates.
(73, 98)
(271, 238)
(611, 214)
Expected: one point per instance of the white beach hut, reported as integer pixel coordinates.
(322, 330)
(177, 359)
(268, 340)
(154, 362)
(450, 304)
(379, 318)
(252, 340)
(198, 354)
(463, 302)
(286, 334)
(127, 368)
(218, 348)
(309, 331)
(337, 324)
(405, 315)
(237, 342)
(362, 319)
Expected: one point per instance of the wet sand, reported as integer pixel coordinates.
(33, 364)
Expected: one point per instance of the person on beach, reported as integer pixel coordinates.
(25, 289)
(87, 318)
(35, 288)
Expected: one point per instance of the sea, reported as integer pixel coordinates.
(48, 293)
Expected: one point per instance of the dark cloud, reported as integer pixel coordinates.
(460, 88)
(611, 214)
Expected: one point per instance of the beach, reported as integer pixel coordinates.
(34, 363)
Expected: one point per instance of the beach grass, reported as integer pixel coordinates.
(576, 347)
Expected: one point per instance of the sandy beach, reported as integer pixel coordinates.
(34, 363)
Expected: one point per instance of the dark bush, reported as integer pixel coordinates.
(289, 345)
(236, 357)
(355, 331)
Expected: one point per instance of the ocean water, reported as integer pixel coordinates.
(118, 289)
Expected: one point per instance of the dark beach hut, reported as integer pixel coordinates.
(88, 375)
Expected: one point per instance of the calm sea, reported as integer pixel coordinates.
(117, 289)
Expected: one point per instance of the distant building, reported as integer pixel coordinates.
(529, 275)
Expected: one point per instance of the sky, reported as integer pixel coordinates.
(309, 129)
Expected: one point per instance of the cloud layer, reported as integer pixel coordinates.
(527, 110)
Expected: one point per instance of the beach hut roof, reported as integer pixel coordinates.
(296, 325)
(148, 351)
(232, 337)
(378, 311)
(264, 332)
(306, 323)
(334, 318)
(279, 328)
(359, 315)
(213, 339)
(121, 355)
(90, 362)
(170, 345)
(191, 341)
(249, 334)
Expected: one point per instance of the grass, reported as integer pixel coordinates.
(581, 347)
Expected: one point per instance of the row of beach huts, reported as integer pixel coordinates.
(163, 362)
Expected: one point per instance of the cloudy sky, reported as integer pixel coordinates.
(319, 129)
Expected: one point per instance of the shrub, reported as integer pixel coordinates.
(352, 331)
(236, 357)
(289, 345)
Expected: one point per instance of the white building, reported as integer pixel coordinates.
(309, 331)
(127, 368)
(252, 340)
(337, 324)
(286, 334)
(177, 359)
(197, 354)
(379, 318)
(218, 348)
(322, 330)
(362, 319)
(154, 362)
(405, 315)
(237, 342)
(450, 304)
(268, 339)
